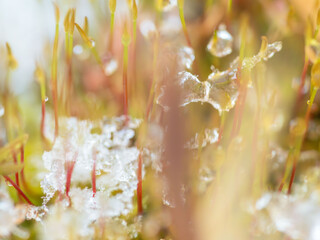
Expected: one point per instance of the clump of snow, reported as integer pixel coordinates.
(10, 215)
(108, 146)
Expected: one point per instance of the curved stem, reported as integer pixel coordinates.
(21, 193)
(139, 186)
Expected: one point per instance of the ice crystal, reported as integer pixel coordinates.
(221, 88)
(115, 162)
(36, 213)
(186, 56)
(167, 5)
(110, 65)
(1, 110)
(220, 44)
(10, 215)
(148, 29)
(210, 136)
(297, 218)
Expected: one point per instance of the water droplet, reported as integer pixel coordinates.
(46, 99)
(78, 49)
(210, 136)
(298, 126)
(93, 43)
(272, 49)
(220, 44)
(110, 65)
(167, 5)
(1, 110)
(186, 55)
(308, 102)
(148, 29)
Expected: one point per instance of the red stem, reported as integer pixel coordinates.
(17, 173)
(125, 94)
(244, 96)
(307, 118)
(292, 174)
(22, 171)
(18, 189)
(55, 106)
(139, 186)
(185, 31)
(70, 167)
(237, 107)
(149, 107)
(43, 115)
(93, 175)
(302, 82)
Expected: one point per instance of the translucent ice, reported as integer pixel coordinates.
(167, 5)
(1, 110)
(221, 88)
(186, 57)
(148, 29)
(220, 44)
(110, 65)
(297, 218)
(10, 215)
(115, 161)
(210, 136)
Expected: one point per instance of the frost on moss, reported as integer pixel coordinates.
(110, 145)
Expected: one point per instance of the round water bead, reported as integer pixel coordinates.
(220, 44)
(167, 5)
(1, 110)
(186, 57)
(298, 127)
(110, 65)
(148, 29)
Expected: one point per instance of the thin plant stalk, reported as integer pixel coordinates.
(134, 33)
(126, 39)
(242, 95)
(222, 124)
(15, 160)
(54, 68)
(69, 168)
(302, 80)
(69, 47)
(93, 174)
(300, 140)
(295, 153)
(20, 192)
(112, 8)
(23, 179)
(40, 76)
(184, 26)
(7, 97)
(150, 102)
(94, 52)
(139, 185)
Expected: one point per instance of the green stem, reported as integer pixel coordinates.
(125, 82)
(54, 79)
(134, 31)
(154, 79)
(229, 7)
(184, 27)
(111, 31)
